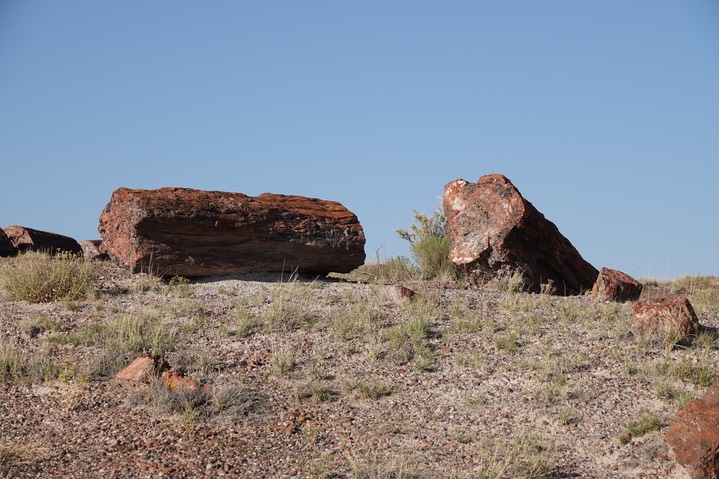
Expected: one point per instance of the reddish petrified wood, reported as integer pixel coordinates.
(92, 249)
(6, 246)
(143, 368)
(28, 239)
(496, 232)
(663, 315)
(694, 435)
(614, 285)
(180, 231)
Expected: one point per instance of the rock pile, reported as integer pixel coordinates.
(186, 232)
(496, 232)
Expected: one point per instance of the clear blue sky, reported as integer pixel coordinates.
(605, 114)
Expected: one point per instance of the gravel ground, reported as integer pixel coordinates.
(337, 378)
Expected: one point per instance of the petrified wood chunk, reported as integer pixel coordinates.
(664, 315)
(181, 231)
(614, 285)
(6, 246)
(694, 435)
(496, 232)
(28, 239)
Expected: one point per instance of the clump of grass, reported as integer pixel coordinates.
(512, 282)
(179, 286)
(17, 366)
(282, 362)
(507, 342)
(38, 277)
(648, 422)
(120, 340)
(21, 453)
(369, 389)
(372, 465)
(291, 307)
(527, 456)
(317, 390)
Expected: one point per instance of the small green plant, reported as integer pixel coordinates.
(526, 456)
(321, 467)
(507, 342)
(370, 390)
(39, 277)
(648, 422)
(179, 286)
(282, 362)
(430, 246)
(372, 465)
(317, 390)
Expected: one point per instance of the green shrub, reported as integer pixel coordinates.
(430, 246)
(39, 277)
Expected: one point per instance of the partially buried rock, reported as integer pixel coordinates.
(29, 239)
(92, 249)
(694, 435)
(496, 233)
(186, 232)
(659, 316)
(6, 246)
(614, 285)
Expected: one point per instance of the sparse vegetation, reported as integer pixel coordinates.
(648, 422)
(39, 277)
(344, 366)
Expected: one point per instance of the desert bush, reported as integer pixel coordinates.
(39, 277)
(430, 246)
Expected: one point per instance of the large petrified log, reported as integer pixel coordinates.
(186, 232)
(28, 239)
(496, 232)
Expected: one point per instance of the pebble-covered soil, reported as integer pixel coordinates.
(342, 378)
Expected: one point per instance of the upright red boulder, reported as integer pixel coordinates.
(28, 239)
(694, 435)
(496, 232)
(6, 246)
(186, 232)
(614, 285)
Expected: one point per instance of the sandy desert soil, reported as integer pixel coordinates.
(338, 378)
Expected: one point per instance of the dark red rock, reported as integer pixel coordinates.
(28, 239)
(614, 285)
(662, 315)
(180, 231)
(143, 368)
(694, 435)
(6, 246)
(496, 233)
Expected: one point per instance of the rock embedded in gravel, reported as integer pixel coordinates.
(694, 435)
(664, 315)
(614, 285)
(496, 232)
(186, 232)
(29, 239)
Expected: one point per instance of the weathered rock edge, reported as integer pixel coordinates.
(495, 231)
(188, 232)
